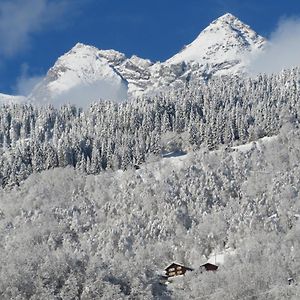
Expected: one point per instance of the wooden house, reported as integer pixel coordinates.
(175, 269)
(209, 267)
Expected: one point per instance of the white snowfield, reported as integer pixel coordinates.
(258, 143)
(86, 74)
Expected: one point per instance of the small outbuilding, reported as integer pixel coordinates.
(175, 269)
(209, 267)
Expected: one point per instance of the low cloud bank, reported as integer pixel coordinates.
(26, 82)
(84, 95)
(282, 50)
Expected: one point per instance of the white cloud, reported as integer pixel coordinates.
(283, 49)
(25, 82)
(83, 95)
(20, 19)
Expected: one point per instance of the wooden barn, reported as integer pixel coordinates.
(209, 267)
(175, 269)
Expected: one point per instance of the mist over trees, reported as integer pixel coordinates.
(77, 221)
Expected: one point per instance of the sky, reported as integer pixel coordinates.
(34, 33)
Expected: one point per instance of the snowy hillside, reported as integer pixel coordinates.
(109, 236)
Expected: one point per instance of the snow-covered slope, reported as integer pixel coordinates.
(86, 74)
(8, 99)
(162, 167)
(225, 45)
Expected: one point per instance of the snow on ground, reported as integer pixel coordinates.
(257, 144)
(220, 258)
(217, 259)
(164, 165)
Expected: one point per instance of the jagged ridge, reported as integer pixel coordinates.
(224, 47)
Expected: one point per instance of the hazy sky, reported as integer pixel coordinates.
(35, 32)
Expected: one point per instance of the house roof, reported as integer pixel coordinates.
(208, 264)
(174, 264)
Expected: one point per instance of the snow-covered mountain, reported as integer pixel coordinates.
(85, 73)
(82, 73)
(226, 46)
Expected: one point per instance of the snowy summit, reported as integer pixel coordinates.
(225, 44)
(80, 73)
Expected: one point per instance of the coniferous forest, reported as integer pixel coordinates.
(112, 136)
(95, 203)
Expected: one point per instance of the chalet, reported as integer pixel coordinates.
(175, 269)
(209, 267)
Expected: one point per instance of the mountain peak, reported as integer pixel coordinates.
(82, 72)
(81, 48)
(224, 43)
(79, 45)
(228, 17)
(230, 21)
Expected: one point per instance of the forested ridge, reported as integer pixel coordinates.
(118, 135)
(77, 221)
